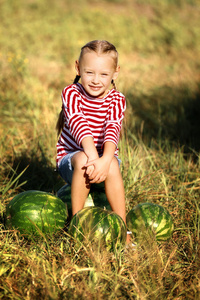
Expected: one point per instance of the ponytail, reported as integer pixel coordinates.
(114, 85)
(76, 80)
(60, 121)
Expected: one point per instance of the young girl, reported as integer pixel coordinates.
(89, 125)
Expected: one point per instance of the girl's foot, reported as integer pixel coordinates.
(128, 237)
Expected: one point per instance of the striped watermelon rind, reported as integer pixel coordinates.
(150, 217)
(34, 211)
(96, 224)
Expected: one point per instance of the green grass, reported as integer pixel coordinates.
(159, 48)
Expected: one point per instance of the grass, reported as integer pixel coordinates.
(159, 148)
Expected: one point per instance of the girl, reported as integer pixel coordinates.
(89, 125)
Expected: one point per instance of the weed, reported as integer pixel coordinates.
(158, 43)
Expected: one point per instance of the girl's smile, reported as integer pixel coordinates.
(97, 72)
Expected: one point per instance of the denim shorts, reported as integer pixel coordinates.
(65, 168)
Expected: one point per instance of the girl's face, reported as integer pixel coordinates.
(97, 72)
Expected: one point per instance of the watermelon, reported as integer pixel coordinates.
(97, 192)
(150, 218)
(34, 211)
(95, 224)
(96, 197)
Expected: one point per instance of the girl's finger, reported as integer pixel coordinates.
(89, 170)
(97, 179)
(90, 163)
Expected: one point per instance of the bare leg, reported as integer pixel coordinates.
(114, 189)
(80, 186)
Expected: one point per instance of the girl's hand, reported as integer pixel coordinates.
(100, 170)
(89, 170)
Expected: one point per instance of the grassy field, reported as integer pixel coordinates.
(159, 47)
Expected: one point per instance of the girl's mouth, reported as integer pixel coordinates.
(95, 88)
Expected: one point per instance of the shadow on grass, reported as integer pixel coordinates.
(167, 114)
(39, 173)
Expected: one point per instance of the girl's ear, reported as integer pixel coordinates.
(115, 75)
(77, 68)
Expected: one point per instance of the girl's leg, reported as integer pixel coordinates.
(114, 189)
(80, 186)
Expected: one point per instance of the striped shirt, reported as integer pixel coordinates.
(100, 118)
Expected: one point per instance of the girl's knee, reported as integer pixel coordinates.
(114, 167)
(79, 160)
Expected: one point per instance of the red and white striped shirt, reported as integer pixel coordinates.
(100, 118)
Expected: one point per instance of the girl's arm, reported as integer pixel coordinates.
(91, 153)
(114, 119)
(89, 148)
(108, 152)
(76, 121)
(102, 164)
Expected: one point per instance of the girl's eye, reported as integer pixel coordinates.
(104, 74)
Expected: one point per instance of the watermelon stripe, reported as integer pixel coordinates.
(94, 223)
(151, 216)
(44, 210)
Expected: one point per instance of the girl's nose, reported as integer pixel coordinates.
(95, 79)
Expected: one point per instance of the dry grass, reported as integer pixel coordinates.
(159, 148)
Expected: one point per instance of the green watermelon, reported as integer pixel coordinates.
(152, 218)
(96, 197)
(95, 224)
(34, 211)
(97, 191)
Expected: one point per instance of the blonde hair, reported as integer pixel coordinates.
(100, 47)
